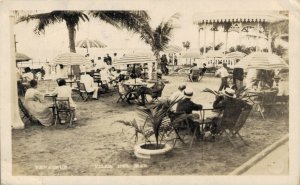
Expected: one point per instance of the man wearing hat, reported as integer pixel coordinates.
(230, 105)
(157, 87)
(188, 106)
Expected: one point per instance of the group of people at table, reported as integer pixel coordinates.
(34, 99)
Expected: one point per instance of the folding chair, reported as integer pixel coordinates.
(63, 110)
(194, 76)
(231, 129)
(179, 124)
(269, 104)
(26, 115)
(157, 94)
(123, 94)
(82, 91)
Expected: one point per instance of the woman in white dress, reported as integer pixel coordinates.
(34, 103)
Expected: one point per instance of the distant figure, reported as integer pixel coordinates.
(89, 84)
(203, 70)
(223, 73)
(238, 77)
(34, 103)
(175, 61)
(109, 60)
(164, 63)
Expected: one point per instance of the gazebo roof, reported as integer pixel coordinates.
(247, 16)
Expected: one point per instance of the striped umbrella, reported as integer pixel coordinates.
(261, 60)
(191, 54)
(70, 59)
(22, 57)
(86, 43)
(173, 49)
(235, 55)
(214, 54)
(135, 59)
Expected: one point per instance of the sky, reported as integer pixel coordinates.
(55, 40)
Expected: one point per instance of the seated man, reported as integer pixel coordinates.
(231, 107)
(193, 71)
(157, 87)
(89, 84)
(187, 106)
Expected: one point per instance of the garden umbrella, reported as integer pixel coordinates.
(87, 43)
(173, 49)
(70, 59)
(214, 54)
(191, 54)
(134, 59)
(22, 57)
(261, 60)
(235, 55)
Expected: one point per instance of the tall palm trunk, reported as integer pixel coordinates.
(71, 30)
(75, 70)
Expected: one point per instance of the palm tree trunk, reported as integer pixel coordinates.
(71, 30)
(74, 68)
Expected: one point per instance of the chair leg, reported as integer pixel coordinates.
(71, 118)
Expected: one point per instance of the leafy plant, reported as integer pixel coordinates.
(155, 121)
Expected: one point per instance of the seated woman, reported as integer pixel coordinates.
(35, 106)
(65, 91)
(28, 75)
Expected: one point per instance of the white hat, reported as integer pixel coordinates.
(229, 92)
(188, 93)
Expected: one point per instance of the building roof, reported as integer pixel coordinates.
(234, 16)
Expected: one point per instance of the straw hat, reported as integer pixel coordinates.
(188, 93)
(229, 92)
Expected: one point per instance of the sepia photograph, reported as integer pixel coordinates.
(149, 91)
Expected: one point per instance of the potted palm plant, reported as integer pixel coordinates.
(156, 126)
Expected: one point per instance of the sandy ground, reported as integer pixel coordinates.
(99, 146)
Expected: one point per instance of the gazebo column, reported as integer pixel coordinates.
(204, 40)
(199, 36)
(269, 43)
(256, 39)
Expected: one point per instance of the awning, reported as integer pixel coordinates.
(236, 16)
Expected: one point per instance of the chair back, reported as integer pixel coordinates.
(269, 98)
(81, 86)
(242, 119)
(62, 103)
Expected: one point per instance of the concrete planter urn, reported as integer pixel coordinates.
(149, 151)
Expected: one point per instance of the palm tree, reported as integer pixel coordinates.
(159, 38)
(71, 18)
(186, 45)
